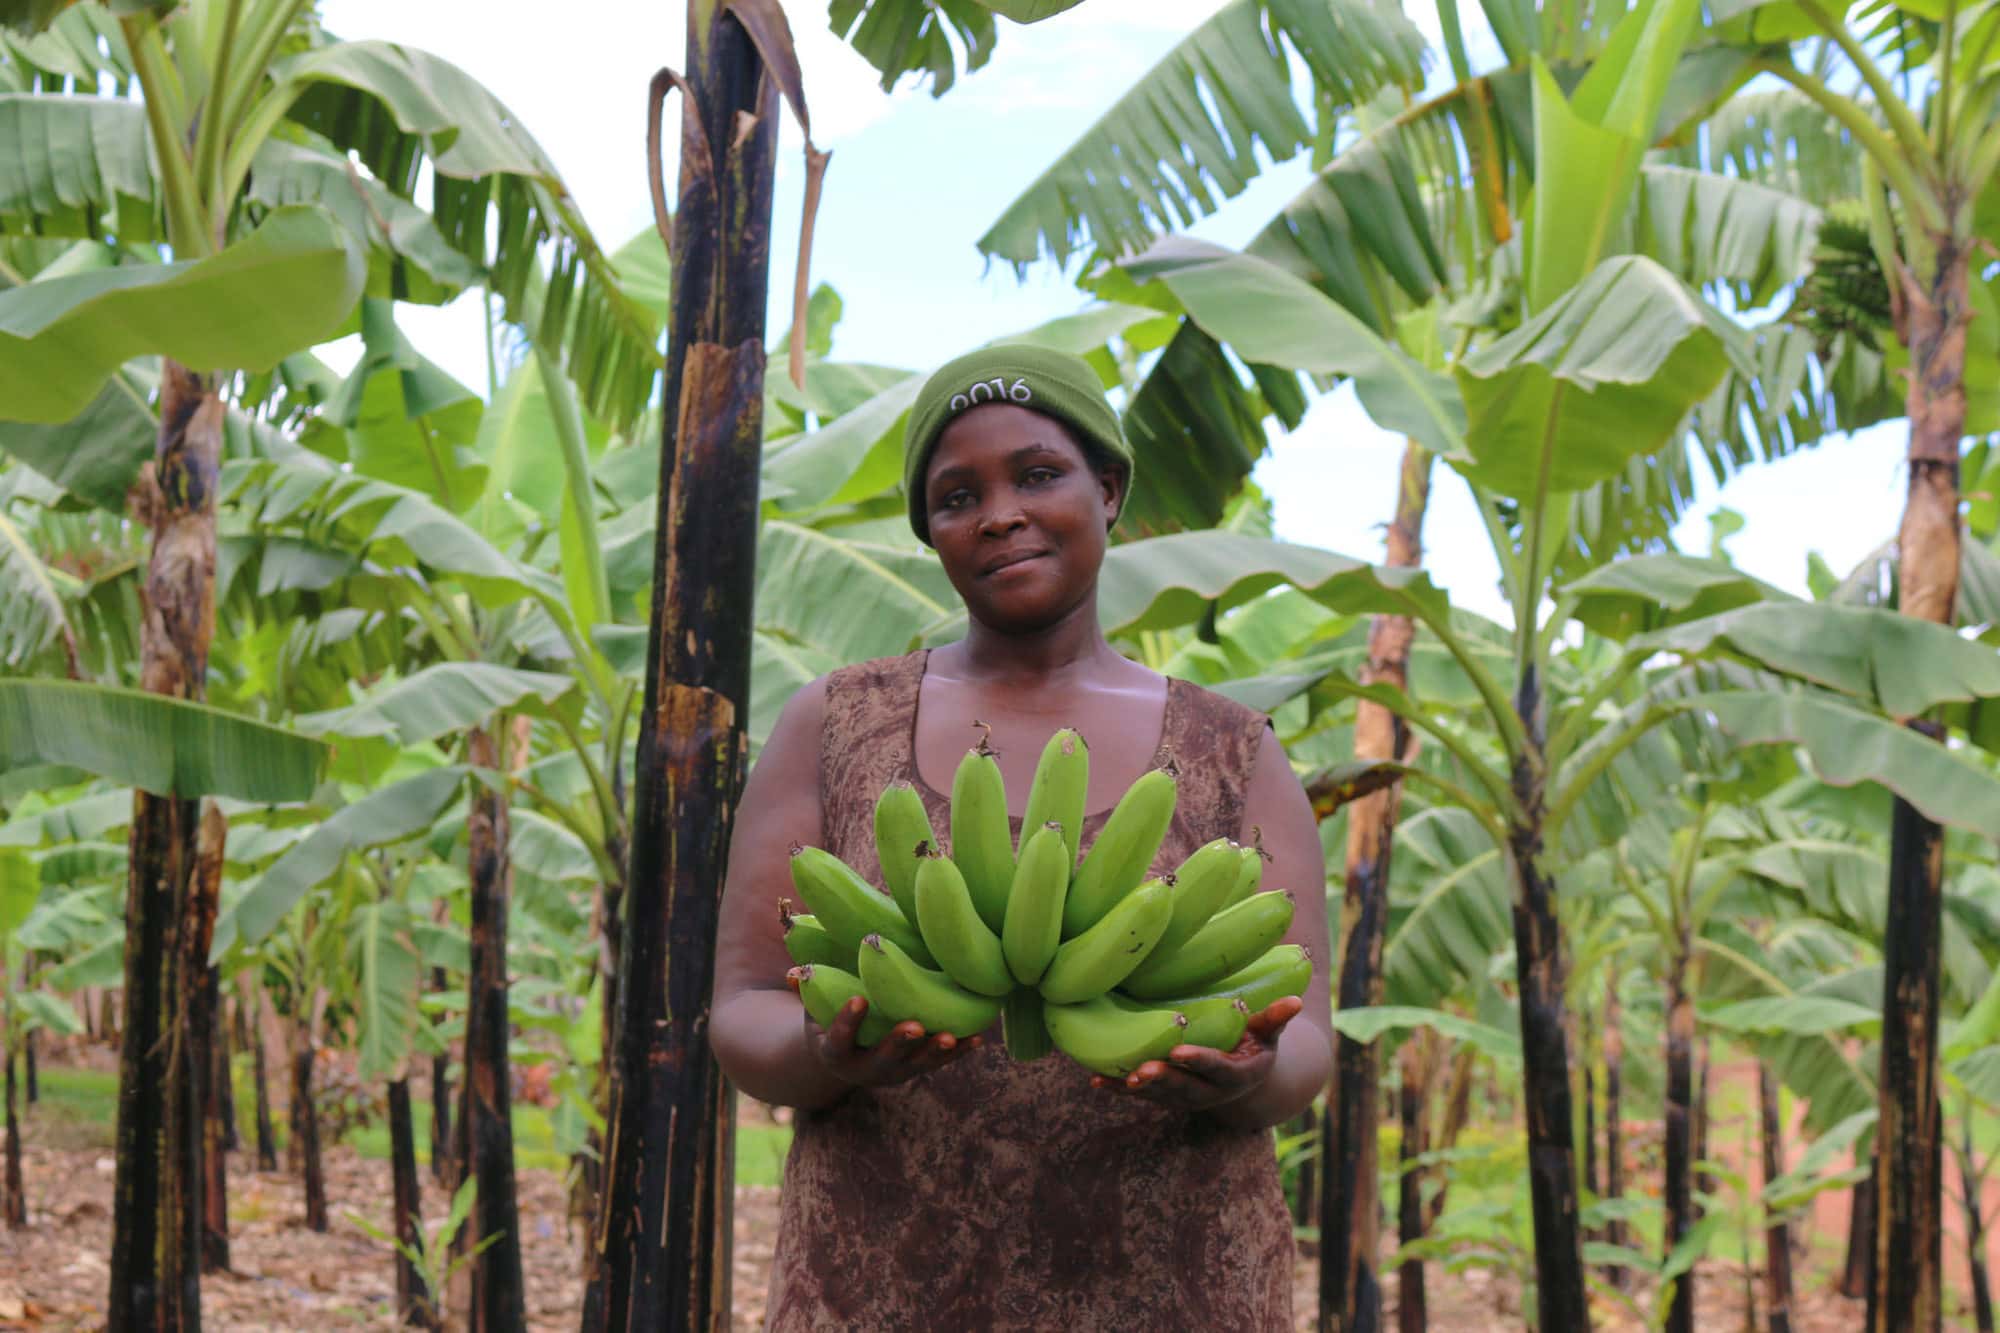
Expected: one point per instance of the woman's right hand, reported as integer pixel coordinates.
(904, 1052)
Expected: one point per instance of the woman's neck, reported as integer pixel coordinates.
(1069, 646)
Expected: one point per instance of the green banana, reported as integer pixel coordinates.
(847, 905)
(1232, 938)
(1061, 785)
(1022, 1026)
(1105, 955)
(1111, 1038)
(1033, 928)
(1248, 875)
(1200, 885)
(906, 991)
(1215, 1021)
(968, 952)
(902, 826)
(1124, 850)
(825, 990)
(807, 941)
(982, 841)
(1283, 969)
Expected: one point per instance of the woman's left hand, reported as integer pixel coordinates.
(1197, 1078)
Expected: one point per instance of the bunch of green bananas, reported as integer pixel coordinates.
(1112, 967)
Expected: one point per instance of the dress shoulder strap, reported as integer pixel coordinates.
(864, 742)
(1214, 742)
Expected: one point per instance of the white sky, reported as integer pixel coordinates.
(914, 182)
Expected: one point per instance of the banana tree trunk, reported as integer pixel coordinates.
(1857, 1274)
(1545, 1036)
(31, 1057)
(1931, 317)
(1590, 1181)
(666, 1224)
(413, 1298)
(1679, 1183)
(1975, 1230)
(202, 1041)
(1614, 1111)
(1305, 1202)
(1457, 1109)
(1704, 1181)
(441, 1154)
(1350, 1291)
(1411, 1316)
(267, 1136)
(1777, 1236)
(14, 1197)
(610, 968)
(221, 1079)
(155, 1254)
(499, 1297)
(305, 1126)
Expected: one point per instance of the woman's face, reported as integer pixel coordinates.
(1017, 515)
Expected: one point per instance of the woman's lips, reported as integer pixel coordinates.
(1011, 561)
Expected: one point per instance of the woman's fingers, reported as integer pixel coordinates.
(1266, 1026)
(904, 1052)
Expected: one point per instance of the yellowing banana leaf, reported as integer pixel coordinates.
(1608, 371)
(285, 286)
(161, 745)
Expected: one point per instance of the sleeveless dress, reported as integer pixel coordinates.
(996, 1194)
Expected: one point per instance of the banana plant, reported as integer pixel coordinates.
(251, 280)
(21, 1012)
(1924, 195)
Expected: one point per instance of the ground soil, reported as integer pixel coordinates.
(53, 1275)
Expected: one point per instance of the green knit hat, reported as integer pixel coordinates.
(1057, 384)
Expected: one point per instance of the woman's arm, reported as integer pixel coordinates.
(1265, 1080)
(754, 1026)
(757, 1027)
(1277, 806)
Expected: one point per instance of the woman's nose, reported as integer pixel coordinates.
(1002, 517)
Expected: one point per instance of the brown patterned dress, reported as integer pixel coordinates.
(993, 1194)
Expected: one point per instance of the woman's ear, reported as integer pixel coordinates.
(1111, 482)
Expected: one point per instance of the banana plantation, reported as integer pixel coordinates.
(371, 740)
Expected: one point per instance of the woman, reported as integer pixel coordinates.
(933, 1183)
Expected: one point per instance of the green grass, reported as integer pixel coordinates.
(78, 1108)
(84, 1102)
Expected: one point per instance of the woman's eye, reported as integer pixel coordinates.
(956, 500)
(1037, 476)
